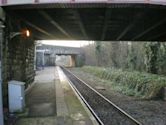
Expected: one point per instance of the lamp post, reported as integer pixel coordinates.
(26, 33)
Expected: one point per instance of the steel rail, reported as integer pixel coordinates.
(106, 99)
(86, 103)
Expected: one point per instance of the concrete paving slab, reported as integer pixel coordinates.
(76, 110)
(44, 109)
(46, 75)
(60, 101)
(37, 121)
(51, 101)
(64, 120)
(41, 100)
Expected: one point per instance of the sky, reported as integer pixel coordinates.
(69, 43)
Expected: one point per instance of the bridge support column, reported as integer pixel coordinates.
(43, 61)
(72, 61)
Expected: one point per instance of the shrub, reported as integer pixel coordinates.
(133, 83)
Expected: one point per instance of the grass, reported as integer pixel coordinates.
(133, 83)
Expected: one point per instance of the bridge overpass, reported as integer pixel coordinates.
(46, 54)
(60, 50)
(99, 20)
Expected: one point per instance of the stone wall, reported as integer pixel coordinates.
(17, 57)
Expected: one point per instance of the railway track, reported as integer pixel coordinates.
(105, 111)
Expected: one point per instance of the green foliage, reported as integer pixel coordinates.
(151, 56)
(79, 61)
(162, 59)
(133, 83)
(98, 52)
(98, 47)
(141, 56)
(132, 58)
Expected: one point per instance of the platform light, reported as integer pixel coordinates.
(27, 33)
(24, 33)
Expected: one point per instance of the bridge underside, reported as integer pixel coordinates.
(101, 22)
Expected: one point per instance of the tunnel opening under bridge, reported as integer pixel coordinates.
(59, 53)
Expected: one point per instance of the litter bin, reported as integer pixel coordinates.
(16, 96)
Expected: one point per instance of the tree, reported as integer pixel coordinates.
(98, 52)
(151, 53)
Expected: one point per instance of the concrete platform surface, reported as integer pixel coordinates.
(51, 101)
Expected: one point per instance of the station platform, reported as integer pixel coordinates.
(52, 101)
